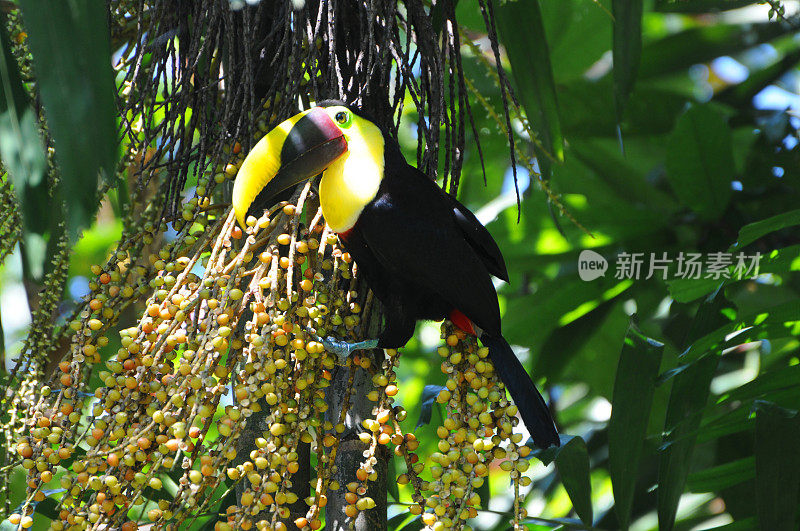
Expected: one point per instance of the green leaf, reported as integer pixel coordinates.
(778, 261)
(72, 60)
(691, 289)
(699, 162)
(578, 34)
(753, 326)
(529, 56)
(750, 233)
(769, 382)
(620, 175)
(721, 477)
(627, 49)
(46, 507)
(21, 147)
(572, 463)
(688, 397)
(585, 112)
(559, 302)
(777, 466)
(565, 342)
(699, 6)
(405, 521)
(633, 397)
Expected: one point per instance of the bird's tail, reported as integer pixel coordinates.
(532, 406)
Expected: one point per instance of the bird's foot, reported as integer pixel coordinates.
(343, 349)
(340, 347)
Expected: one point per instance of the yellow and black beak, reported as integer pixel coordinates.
(296, 150)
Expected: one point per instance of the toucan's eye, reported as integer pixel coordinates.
(342, 117)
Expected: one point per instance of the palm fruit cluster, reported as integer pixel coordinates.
(237, 311)
(229, 326)
(477, 432)
(229, 329)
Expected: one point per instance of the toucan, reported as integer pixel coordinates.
(424, 255)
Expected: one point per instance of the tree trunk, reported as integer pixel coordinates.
(351, 450)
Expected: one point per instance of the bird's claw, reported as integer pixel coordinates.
(343, 349)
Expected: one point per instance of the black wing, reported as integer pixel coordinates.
(411, 230)
(480, 239)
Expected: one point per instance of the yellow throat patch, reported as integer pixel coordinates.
(352, 180)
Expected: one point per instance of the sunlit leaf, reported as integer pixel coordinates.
(578, 34)
(565, 342)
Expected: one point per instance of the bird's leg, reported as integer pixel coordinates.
(343, 348)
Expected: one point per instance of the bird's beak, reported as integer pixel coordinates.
(296, 150)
